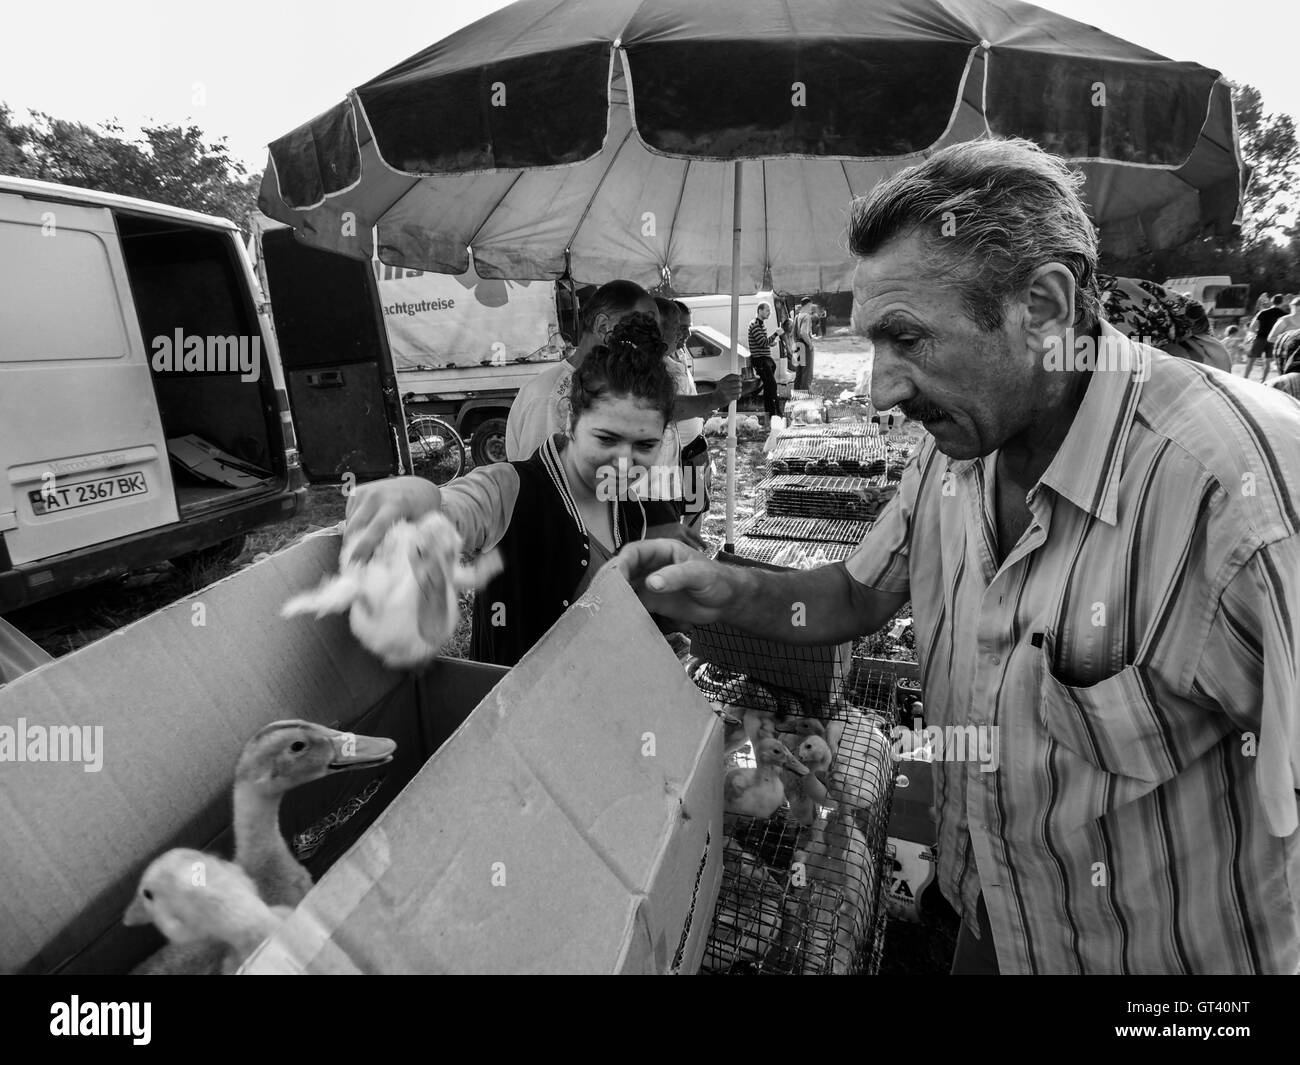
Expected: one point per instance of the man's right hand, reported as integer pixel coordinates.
(728, 390)
(677, 581)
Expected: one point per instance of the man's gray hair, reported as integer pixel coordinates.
(992, 212)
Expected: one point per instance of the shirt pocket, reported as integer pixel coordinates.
(1114, 724)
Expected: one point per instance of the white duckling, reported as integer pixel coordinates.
(806, 791)
(403, 603)
(715, 426)
(205, 905)
(733, 733)
(754, 704)
(814, 752)
(776, 428)
(280, 757)
(752, 424)
(759, 792)
(799, 728)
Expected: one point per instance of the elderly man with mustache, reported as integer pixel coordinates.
(1101, 545)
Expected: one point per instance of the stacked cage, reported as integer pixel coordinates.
(802, 884)
(802, 889)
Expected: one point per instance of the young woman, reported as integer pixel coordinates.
(555, 516)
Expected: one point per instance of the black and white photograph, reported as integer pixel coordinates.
(649, 487)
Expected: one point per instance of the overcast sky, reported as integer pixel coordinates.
(267, 66)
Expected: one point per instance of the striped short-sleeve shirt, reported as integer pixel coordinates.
(1135, 665)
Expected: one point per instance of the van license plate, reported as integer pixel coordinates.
(59, 497)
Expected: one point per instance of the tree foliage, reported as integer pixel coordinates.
(167, 163)
(1257, 256)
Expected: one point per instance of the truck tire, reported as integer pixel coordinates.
(488, 444)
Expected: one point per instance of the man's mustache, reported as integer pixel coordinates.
(921, 411)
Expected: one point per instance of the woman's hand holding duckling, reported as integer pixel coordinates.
(374, 508)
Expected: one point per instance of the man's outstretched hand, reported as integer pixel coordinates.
(676, 581)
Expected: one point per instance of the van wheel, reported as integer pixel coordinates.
(197, 563)
(488, 444)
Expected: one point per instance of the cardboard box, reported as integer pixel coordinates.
(815, 672)
(611, 856)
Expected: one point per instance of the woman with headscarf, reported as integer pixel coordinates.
(1151, 314)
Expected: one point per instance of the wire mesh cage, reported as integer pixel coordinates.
(796, 554)
(813, 496)
(801, 887)
(814, 672)
(854, 430)
(817, 530)
(867, 456)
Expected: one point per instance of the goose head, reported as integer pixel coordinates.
(815, 753)
(285, 754)
(772, 752)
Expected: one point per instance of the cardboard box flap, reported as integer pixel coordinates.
(570, 825)
(173, 697)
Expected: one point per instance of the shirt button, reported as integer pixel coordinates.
(565, 603)
(584, 561)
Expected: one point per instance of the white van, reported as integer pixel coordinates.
(715, 312)
(1223, 301)
(143, 406)
(710, 342)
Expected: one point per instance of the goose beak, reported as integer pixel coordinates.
(136, 913)
(796, 765)
(360, 752)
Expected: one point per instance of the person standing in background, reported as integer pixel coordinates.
(803, 336)
(1262, 326)
(689, 411)
(1284, 325)
(1235, 344)
(760, 357)
(541, 409)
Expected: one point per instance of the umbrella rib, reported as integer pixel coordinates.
(586, 210)
(395, 202)
(677, 210)
(492, 210)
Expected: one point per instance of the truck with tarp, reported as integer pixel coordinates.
(461, 346)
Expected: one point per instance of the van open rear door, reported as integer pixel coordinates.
(337, 366)
(82, 442)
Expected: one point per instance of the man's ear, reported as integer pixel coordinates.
(1049, 303)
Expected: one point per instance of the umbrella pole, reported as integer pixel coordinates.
(730, 537)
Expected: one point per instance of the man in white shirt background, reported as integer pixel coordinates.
(690, 410)
(541, 408)
(1284, 325)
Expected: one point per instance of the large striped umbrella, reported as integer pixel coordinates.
(641, 138)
